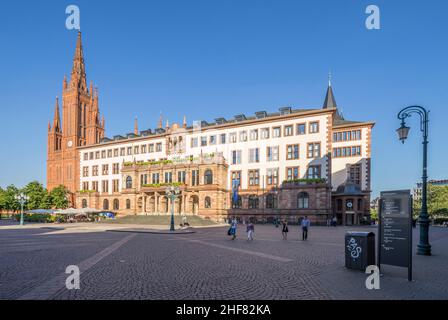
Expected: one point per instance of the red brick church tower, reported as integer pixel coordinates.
(80, 126)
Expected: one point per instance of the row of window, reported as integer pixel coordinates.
(168, 178)
(347, 135)
(253, 176)
(272, 153)
(104, 170)
(115, 204)
(272, 175)
(94, 185)
(256, 134)
(346, 152)
(124, 151)
(243, 136)
(302, 201)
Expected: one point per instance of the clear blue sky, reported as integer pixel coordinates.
(218, 58)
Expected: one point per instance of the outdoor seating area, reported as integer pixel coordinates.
(69, 215)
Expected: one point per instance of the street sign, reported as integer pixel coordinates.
(395, 229)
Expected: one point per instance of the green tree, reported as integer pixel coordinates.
(437, 200)
(36, 193)
(47, 201)
(59, 197)
(373, 214)
(9, 198)
(2, 199)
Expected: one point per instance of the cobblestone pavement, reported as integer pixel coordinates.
(205, 265)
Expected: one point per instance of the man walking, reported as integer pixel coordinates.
(305, 226)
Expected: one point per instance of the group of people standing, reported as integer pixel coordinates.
(250, 229)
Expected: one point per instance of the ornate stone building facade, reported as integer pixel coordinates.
(284, 164)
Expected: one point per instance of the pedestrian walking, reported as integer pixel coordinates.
(250, 231)
(232, 230)
(334, 221)
(285, 230)
(305, 226)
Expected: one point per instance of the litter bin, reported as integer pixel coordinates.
(359, 250)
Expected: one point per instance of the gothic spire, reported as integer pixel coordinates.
(78, 79)
(330, 101)
(57, 118)
(135, 126)
(160, 123)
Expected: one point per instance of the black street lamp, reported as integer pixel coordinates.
(423, 248)
(172, 193)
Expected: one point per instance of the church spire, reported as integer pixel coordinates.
(78, 77)
(136, 126)
(57, 118)
(160, 123)
(330, 101)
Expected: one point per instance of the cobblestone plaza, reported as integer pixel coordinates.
(203, 265)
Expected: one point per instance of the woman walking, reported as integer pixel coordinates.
(285, 230)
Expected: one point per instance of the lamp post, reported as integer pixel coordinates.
(423, 248)
(22, 199)
(172, 193)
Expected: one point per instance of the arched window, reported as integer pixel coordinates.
(208, 202)
(208, 177)
(128, 204)
(271, 201)
(339, 205)
(116, 204)
(360, 208)
(84, 203)
(303, 200)
(105, 204)
(236, 203)
(253, 202)
(128, 182)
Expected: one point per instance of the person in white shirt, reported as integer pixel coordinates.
(305, 226)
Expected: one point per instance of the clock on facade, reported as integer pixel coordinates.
(69, 143)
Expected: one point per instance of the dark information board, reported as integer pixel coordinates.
(395, 217)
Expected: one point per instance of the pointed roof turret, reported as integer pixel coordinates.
(160, 123)
(330, 101)
(135, 126)
(78, 77)
(57, 118)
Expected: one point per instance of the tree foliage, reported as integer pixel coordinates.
(59, 197)
(437, 201)
(39, 197)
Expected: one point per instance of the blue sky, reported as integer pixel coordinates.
(217, 58)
